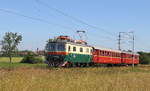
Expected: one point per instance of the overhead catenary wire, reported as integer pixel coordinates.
(34, 18)
(73, 18)
(105, 38)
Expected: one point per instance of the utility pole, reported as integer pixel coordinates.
(133, 44)
(119, 41)
(133, 48)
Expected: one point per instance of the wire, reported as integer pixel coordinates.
(71, 17)
(33, 18)
(107, 38)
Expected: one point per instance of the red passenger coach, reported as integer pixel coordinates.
(106, 56)
(127, 58)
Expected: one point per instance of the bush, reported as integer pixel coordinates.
(144, 58)
(32, 59)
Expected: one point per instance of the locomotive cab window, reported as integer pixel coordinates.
(55, 47)
(60, 47)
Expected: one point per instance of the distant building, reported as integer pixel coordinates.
(23, 53)
(40, 52)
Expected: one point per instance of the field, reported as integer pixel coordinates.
(28, 77)
(4, 63)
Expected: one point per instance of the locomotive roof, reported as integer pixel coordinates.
(73, 43)
(106, 49)
(85, 45)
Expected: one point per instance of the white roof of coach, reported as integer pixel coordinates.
(107, 49)
(130, 53)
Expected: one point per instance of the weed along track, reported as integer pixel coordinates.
(81, 79)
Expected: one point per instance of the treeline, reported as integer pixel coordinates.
(23, 53)
(144, 57)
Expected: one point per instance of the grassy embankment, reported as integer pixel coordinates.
(29, 78)
(4, 63)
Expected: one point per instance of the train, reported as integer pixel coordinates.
(63, 51)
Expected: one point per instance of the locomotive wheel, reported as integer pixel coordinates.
(77, 64)
(84, 65)
(69, 65)
(91, 64)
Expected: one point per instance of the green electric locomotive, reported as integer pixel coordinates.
(63, 51)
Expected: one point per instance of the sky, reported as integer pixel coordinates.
(39, 20)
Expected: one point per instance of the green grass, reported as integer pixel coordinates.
(75, 79)
(14, 59)
(4, 63)
(38, 77)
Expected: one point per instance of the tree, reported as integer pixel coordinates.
(10, 43)
(144, 58)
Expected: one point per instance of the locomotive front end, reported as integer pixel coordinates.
(55, 53)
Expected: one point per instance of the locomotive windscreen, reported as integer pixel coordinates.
(55, 47)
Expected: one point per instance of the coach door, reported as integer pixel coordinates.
(95, 55)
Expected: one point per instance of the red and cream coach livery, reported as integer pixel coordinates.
(114, 57)
(64, 51)
(106, 56)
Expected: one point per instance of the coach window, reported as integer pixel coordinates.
(103, 53)
(74, 49)
(81, 49)
(136, 57)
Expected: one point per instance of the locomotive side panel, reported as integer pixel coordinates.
(78, 53)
